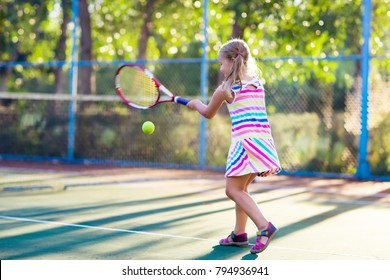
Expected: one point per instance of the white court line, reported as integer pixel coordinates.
(172, 236)
(102, 228)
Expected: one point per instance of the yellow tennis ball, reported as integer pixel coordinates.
(148, 127)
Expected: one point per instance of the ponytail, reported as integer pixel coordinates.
(238, 52)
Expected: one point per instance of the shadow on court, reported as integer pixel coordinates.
(219, 252)
(124, 213)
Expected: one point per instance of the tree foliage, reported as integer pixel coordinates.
(31, 30)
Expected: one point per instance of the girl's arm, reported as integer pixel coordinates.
(209, 111)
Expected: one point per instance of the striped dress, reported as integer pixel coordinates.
(252, 149)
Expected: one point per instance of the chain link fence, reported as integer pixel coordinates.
(316, 123)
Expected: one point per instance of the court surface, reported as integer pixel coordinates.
(54, 211)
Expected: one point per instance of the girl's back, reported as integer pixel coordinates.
(248, 111)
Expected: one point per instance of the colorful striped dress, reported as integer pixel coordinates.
(252, 149)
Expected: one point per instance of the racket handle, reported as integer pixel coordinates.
(181, 101)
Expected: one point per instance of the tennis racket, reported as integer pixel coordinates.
(138, 88)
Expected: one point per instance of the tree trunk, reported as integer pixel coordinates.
(85, 72)
(146, 29)
(8, 71)
(237, 31)
(60, 51)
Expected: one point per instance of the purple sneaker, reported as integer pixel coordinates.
(270, 233)
(237, 240)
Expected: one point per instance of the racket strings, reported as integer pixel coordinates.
(137, 87)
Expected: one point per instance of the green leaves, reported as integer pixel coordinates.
(273, 28)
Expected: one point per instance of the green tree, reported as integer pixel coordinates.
(22, 34)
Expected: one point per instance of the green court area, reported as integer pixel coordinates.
(54, 211)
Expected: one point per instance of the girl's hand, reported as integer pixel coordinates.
(210, 110)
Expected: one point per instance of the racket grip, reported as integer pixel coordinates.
(181, 101)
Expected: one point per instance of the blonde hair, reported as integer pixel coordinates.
(243, 62)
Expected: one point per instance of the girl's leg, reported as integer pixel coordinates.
(241, 216)
(236, 190)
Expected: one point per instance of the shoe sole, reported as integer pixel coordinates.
(266, 244)
(235, 244)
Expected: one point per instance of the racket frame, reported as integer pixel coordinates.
(170, 97)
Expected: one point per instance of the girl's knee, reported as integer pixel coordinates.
(235, 186)
(231, 193)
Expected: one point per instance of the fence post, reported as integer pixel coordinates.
(363, 168)
(73, 82)
(203, 86)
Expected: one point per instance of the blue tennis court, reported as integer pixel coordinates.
(110, 213)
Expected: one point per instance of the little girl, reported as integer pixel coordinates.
(252, 152)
